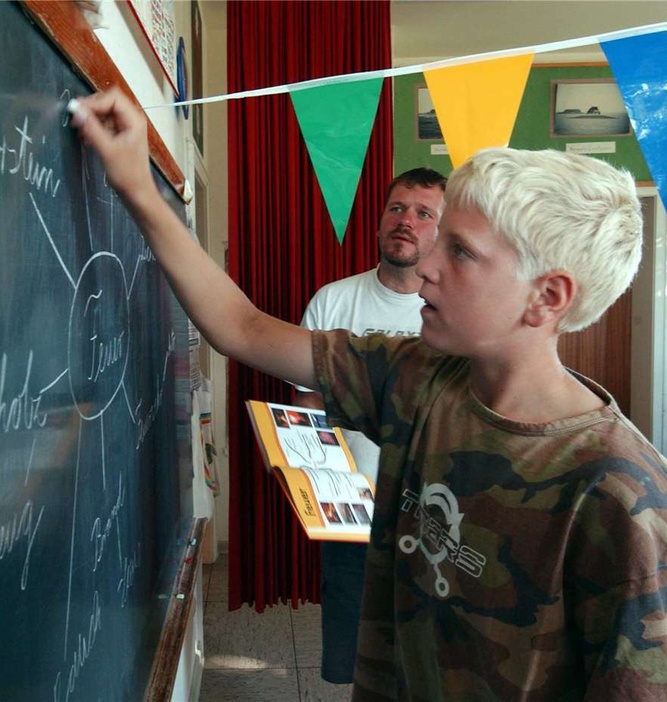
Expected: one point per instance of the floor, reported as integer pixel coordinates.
(268, 657)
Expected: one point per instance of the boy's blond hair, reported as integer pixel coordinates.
(561, 212)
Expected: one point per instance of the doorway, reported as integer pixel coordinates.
(625, 351)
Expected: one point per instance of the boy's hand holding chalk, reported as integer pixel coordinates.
(112, 125)
(78, 112)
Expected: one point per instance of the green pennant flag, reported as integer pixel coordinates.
(336, 121)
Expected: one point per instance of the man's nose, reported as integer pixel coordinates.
(407, 218)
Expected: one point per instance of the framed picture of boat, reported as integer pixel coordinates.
(426, 121)
(588, 108)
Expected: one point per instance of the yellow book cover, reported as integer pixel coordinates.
(315, 468)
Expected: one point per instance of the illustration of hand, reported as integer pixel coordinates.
(308, 448)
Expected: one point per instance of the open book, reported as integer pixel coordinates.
(314, 466)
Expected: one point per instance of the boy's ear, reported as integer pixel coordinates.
(553, 295)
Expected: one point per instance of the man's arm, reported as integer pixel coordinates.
(116, 129)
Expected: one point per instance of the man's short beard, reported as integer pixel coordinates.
(400, 261)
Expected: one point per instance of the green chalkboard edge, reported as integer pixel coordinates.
(165, 663)
(64, 24)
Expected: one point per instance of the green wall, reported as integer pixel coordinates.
(531, 130)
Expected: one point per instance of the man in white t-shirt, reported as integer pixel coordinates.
(384, 299)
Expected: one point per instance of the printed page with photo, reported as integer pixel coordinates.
(316, 470)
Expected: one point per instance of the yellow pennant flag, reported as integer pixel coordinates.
(477, 103)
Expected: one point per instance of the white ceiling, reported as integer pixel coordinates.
(429, 30)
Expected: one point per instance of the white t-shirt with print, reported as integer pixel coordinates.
(363, 305)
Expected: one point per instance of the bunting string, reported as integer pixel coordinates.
(336, 113)
(421, 68)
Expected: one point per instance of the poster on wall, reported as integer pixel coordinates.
(428, 127)
(588, 107)
(156, 20)
(197, 78)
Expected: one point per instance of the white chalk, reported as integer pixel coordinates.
(188, 194)
(78, 111)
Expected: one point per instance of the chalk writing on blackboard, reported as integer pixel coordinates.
(95, 456)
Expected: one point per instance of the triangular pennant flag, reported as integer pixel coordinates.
(639, 65)
(336, 122)
(477, 103)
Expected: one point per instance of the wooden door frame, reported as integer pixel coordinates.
(649, 326)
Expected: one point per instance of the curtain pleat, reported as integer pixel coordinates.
(282, 245)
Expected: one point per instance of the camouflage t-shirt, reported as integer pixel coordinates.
(508, 561)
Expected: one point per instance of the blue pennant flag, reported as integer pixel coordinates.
(639, 65)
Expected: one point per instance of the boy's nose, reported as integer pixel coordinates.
(425, 268)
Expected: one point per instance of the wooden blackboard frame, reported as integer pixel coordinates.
(165, 662)
(65, 25)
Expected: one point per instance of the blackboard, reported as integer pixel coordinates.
(95, 454)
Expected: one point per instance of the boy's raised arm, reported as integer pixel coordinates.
(116, 129)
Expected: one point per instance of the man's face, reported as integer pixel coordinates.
(474, 302)
(409, 224)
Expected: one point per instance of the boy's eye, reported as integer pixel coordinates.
(459, 251)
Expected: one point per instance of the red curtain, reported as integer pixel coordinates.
(282, 245)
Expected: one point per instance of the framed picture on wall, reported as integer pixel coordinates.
(588, 108)
(427, 127)
(197, 77)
